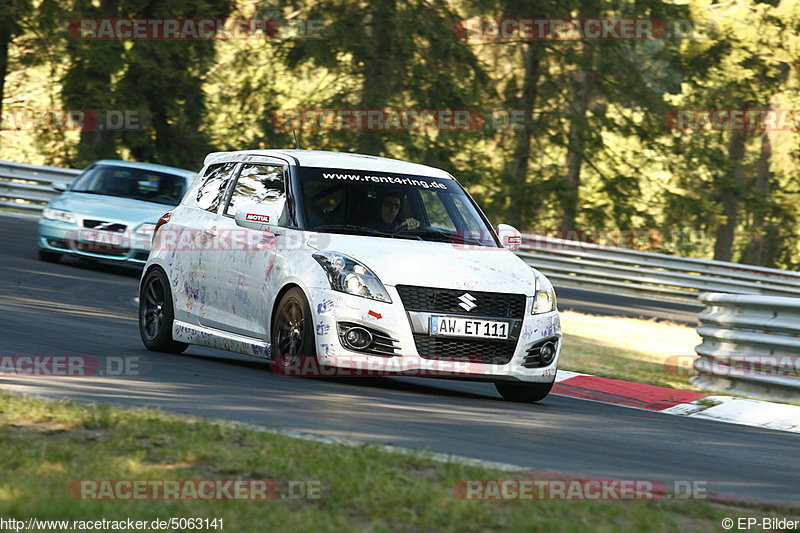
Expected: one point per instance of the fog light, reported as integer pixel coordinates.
(547, 353)
(358, 338)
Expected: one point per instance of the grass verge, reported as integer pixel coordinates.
(646, 351)
(47, 445)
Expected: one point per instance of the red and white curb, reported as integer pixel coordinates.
(729, 409)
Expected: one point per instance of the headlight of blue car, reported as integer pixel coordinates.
(59, 215)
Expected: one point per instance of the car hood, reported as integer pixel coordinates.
(110, 208)
(435, 264)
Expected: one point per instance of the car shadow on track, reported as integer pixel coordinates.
(130, 271)
(395, 383)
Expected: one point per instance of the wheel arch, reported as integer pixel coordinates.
(278, 297)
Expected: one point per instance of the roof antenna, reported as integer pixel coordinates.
(296, 142)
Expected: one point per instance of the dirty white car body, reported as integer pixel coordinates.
(448, 298)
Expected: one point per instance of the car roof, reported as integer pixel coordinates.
(147, 166)
(340, 160)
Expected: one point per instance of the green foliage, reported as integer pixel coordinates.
(596, 150)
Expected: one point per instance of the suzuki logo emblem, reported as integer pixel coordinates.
(467, 302)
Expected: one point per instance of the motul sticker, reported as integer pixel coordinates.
(514, 239)
(258, 218)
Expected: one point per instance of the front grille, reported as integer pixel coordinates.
(489, 352)
(487, 304)
(106, 226)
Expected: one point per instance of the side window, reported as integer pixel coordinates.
(212, 192)
(258, 184)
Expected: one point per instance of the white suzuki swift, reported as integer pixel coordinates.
(361, 265)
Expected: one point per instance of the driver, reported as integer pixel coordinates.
(390, 207)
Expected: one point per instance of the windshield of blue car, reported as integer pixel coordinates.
(133, 183)
(391, 205)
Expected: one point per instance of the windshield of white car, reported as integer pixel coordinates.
(390, 205)
(133, 183)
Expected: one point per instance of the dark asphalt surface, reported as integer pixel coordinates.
(600, 303)
(78, 308)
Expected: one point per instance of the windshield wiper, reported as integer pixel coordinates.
(364, 230)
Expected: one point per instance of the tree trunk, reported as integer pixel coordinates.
(723, 245)
(7, 25)
(377, 85)
(520, 203)
(757, 248)
(579, 105)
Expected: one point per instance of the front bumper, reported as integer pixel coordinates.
(409, 331)
(65, 238)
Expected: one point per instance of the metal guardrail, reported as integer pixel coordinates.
(591, 266)
(30, 187)
(751, 345)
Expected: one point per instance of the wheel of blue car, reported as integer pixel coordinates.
(50, 257)
(156, 314)
(523, 392)
(293, 327)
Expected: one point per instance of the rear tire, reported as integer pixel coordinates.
(156, 314)
(292, 332)
(50, 257)
(523, 392)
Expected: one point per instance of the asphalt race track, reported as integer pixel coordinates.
(86, 309)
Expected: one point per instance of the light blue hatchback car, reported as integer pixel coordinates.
(109, 211)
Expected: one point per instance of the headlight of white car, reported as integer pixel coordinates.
(544, 299)
(58, 214)
(347, 275)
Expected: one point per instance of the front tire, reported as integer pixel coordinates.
(156, 314)
(523, 392)
(50, 257)
(293, 327)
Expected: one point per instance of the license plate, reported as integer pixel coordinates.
(110, 238)
(468, 327)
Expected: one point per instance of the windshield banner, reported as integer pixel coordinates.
(370, 176)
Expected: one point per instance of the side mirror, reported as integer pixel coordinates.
(257, 216)
(59, 186)
(510, 237)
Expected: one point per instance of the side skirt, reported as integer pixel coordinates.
(222, 340)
